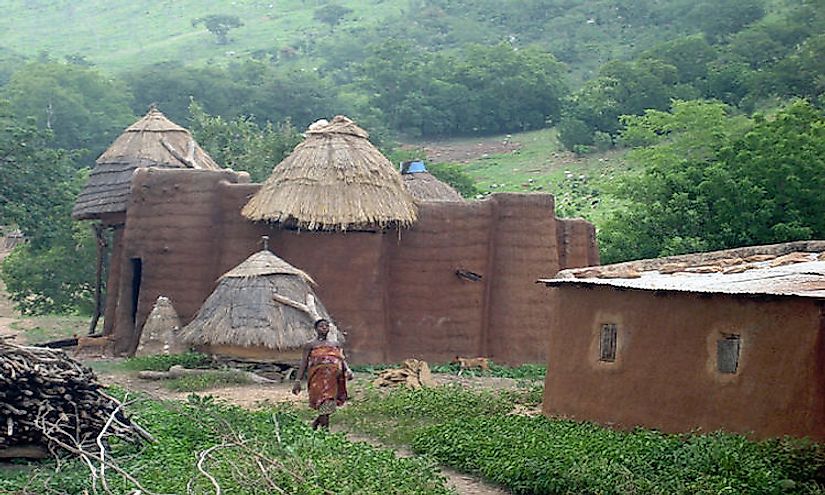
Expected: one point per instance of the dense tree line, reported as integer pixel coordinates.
(711, 180)
(712, 176)
(740, 57)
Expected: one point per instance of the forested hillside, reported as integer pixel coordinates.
(696, 91)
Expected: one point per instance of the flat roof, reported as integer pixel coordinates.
(795, 274)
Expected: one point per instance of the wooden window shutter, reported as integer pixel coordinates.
(607, 346)
(727, 354)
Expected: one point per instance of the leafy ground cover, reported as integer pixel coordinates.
(246, 451)
(537, 455)
(483, 433)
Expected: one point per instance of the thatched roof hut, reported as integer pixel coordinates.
(262, 307)
(152, 141)
(334, 180)
(424, 186)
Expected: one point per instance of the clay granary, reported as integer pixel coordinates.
(402, 278)
(727, 340)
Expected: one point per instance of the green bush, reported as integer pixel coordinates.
(537, 455)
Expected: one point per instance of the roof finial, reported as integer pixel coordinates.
(265, 240)
(153, 107)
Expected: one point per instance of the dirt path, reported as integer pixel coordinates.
(463, 484)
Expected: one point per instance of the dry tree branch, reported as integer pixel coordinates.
(202, 458)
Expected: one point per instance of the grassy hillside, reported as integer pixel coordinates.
(580, 184)
(121, 34)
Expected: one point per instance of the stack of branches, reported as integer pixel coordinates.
(50, 402)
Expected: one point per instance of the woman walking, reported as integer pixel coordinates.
(327, 377)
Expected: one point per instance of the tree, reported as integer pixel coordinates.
(712, 181)
(53, 271)
(219, 25)
(241, 144)
(331, 14)
(80, 107)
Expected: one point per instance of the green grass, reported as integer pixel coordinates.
(39, 329)
(124, 35)
(581, 185)
(396, 417)
(207, 381)
(162, 362)
(303, 461)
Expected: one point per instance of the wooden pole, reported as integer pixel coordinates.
(100, 239)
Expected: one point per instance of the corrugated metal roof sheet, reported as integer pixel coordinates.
(806, 279)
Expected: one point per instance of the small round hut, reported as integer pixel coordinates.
(424, 186)
(152, 141)
(334, 180)
(262, 309)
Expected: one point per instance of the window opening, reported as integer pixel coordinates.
(727, 354)
(607, 347)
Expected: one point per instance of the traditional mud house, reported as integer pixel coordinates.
(152, 141)
(424, 186)
(730, 340)
(427, 280)
(263, 308)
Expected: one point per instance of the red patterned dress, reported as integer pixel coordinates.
(327, 384)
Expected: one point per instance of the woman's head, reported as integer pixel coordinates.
(322, 328)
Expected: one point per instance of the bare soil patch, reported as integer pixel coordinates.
(465, 151)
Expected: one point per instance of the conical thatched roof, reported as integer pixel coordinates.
(153, 141)
(424, 186)
(241, 311)
(335, 180)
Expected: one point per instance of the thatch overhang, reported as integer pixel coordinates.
(152, 141)
(334, 180)
(242, 313)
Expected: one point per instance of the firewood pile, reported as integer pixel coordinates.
(51, 401)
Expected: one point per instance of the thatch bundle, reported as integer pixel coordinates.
(242, 313)
(153, 141)
(335, 180)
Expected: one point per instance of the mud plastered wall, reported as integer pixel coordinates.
(395, 294)
(665, 374)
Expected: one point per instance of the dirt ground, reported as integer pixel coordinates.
(464, 151)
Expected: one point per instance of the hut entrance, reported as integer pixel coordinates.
(137, 275)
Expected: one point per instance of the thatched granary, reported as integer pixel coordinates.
(424, 186)
(152, 141)
(262, 308)
(334, 180)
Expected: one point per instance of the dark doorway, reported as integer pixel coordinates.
(137, 275)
